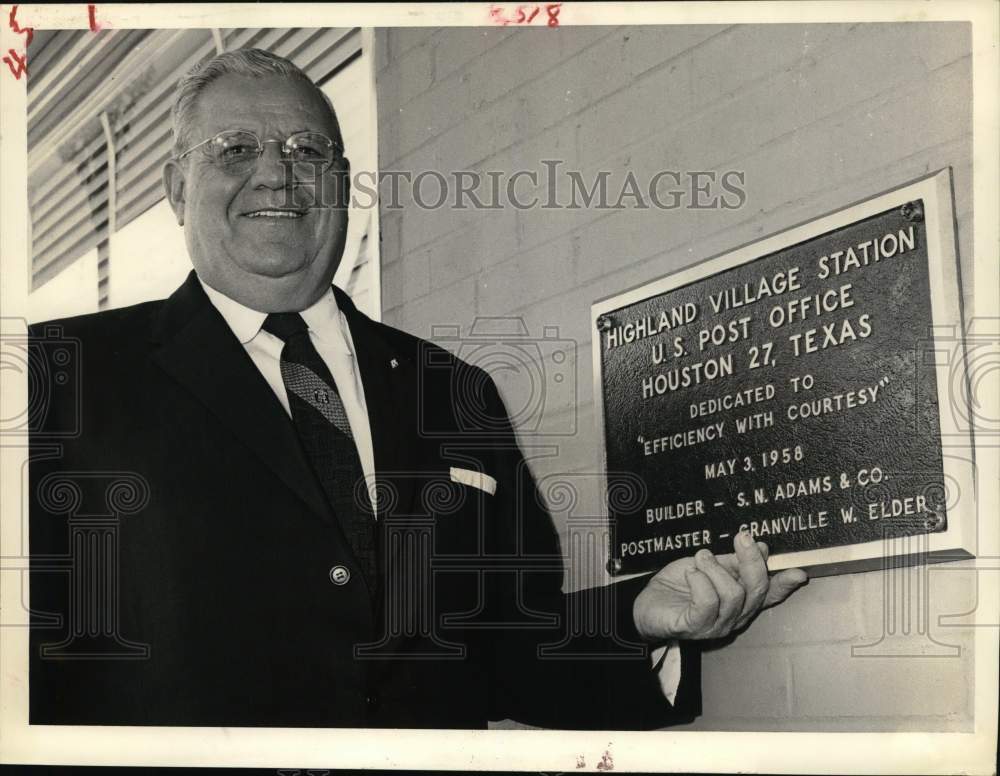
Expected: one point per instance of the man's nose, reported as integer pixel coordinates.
(271, 171)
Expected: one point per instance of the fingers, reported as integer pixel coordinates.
(727, 591)
(730, 592)
(753, 575)
(730, 563)
(783, 584)
(703, 610)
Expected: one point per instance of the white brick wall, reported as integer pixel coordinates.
(818, 116)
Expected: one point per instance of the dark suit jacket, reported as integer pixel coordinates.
(182, 549)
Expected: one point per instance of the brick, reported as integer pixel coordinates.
(499, 128)
(528, 277)
(456, 255)
(809, 93)
(824, 611)
(568, 314)
(502, 72)
(406, 280)
(776, 205)
(488, 239)
(651, 232)
(411, 74)
(573, 497)
(525, 375)
(829, 682)
(910, 602)
(954, 597)
(693, 141)
(725, 62)
(402, 39)
(526, 60)
(575, 449)
(419, 121)
(422, 227)
(661, 98)
(701, 77)
(581, 471)
(450, 305)
(894, 125)
(456, 47)
(388, 134)
(609, 65)
(752, 683)
(457, 97)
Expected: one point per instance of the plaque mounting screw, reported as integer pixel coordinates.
(933, 521)
(913, 211)
(604, 322)
(615, 566)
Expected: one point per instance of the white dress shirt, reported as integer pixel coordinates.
(331, 336)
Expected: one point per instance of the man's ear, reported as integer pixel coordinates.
(174, 188)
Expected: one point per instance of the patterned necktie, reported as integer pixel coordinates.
(321, 422)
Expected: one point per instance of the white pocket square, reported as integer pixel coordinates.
(474, 479)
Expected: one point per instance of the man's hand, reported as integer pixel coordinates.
(710, 596)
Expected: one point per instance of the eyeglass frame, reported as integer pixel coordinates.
(337, 145)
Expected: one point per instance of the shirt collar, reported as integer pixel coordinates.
(323, 318)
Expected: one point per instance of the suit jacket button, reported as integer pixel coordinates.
(340, 575)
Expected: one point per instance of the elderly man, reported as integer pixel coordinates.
(318, 534)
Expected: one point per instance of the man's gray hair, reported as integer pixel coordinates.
(254, 63)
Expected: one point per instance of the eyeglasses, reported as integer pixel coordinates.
(237, 151)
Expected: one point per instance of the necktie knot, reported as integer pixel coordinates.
(284, 326)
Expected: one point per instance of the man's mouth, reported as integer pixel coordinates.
(276, 213)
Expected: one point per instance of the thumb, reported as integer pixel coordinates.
(783, 584)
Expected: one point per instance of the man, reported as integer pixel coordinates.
(314, 531)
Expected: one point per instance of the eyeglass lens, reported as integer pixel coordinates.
(237, 152)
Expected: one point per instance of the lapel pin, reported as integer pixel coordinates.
(394, 363)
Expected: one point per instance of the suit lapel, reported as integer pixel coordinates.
(389, 378)
(392, 395)
(200, 351)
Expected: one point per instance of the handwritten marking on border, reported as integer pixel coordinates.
(18, 63)
(524, 15)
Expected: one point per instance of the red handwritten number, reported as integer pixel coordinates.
(525, 14)
(92, 16)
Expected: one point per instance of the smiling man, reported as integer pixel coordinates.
(252, 224)
(298, 550)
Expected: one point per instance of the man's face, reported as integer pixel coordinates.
(260, 237)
